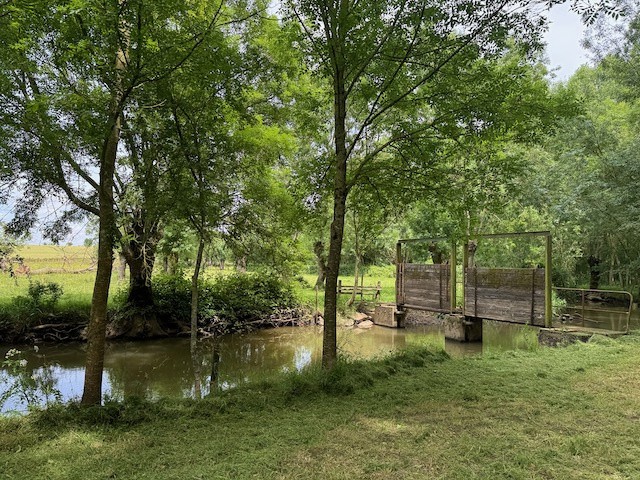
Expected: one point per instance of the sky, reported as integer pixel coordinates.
(563, 42)
(564, 52)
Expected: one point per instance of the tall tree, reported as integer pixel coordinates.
(396, 70)
(69, 83)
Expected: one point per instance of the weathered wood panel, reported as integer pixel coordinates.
(425, 286)
(507, 294)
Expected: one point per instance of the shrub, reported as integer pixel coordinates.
(240, 298)
(236, 299)
(44, 295)
(42, 298)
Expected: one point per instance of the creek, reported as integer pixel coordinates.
(162, 368)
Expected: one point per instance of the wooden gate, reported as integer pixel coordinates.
(425, 287)
(518, 295)
(514, 295)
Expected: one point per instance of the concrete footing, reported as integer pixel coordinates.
(388, 316)
(462, 329)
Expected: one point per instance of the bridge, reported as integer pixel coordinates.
(430, 277)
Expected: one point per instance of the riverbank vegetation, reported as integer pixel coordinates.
(549, 413)
(252, 134)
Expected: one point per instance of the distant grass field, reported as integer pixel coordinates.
(73, 268)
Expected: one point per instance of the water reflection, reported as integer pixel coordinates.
(163, 368)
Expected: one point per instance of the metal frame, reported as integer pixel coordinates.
(548, 316)
(585, 290)
(548, 306)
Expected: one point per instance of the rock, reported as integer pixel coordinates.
(365, 324)
(360, 317)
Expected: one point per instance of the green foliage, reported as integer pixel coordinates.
(172, 297)
(243, 297)
(234, 299)
(42, 299)
(44, 295)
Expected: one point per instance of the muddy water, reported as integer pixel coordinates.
(162, 368)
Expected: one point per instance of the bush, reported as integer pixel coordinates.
(236, 299)
(172, 296)
(240, 298)
(42, 298)
(44, 295)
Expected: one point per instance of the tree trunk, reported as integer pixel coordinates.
(471, 259)
(140, 270)
(122, 267)
(241, 264)
(172, 263)
(437, 255)
(195, 360)
(594, 272)
(140, 252)
(356, 275)
(96, 331)
(329, 341)
(356, 263)
(321, 262)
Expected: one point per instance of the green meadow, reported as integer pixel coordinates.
(568, 413)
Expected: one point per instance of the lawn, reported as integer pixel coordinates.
(569, 413)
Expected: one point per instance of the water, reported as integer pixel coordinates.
(162, 368)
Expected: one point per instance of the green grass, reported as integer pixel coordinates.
(306, 293)
(67, 266)
(569, 413)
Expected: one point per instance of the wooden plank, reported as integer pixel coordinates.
(513, 295)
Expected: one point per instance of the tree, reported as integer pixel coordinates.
(68, 84)
(396, 70)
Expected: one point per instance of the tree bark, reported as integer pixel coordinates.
(96, 332)
(594, 272)
(172, 263)
(122, 267)
(321, 262)
(140, 253)
(92, 393)
(340, 191)
(356, 264)
(194, 321)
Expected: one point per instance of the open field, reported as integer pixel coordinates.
(72, 268)
(569, 413)
(69, 266)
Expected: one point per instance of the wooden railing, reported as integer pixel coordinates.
(361, 290)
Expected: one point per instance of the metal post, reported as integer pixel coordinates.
(398, 271)
(548, 301)
(465, 264)
(452, 276)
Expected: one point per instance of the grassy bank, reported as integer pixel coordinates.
(552, 413)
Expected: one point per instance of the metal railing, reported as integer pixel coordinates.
(584, 308)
